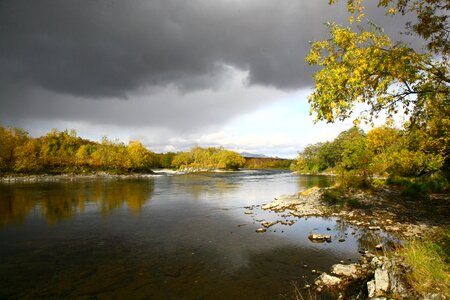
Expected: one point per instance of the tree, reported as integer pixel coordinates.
(10, 140)
(140, 157)
(366, 66)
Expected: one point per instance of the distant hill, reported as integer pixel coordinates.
(252, 155)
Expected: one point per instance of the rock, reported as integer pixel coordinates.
(393, 228)
(381, 281)
(345, 270)
(305, 266)
(248, 212)
(320, 237)
(371, 288)
(269, 224)
(379, 246)
(327, 280)
(433, 297)
(261, 230)
(374, 227)
(341, 240)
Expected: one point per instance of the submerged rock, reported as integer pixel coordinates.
(268, 224)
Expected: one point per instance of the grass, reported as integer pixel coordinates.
(429, 260)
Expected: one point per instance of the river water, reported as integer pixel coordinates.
(164, 237)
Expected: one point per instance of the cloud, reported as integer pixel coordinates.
(164, 108)
(170, 68)
(108, 48)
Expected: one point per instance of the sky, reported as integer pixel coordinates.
(172, 74)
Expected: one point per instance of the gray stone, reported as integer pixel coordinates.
(319, 237)
(374, 227)
(433, 297)
(381, 281)
(371, 288)
(345, 270)
(327, 280)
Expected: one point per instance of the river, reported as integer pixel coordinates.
(164, 237)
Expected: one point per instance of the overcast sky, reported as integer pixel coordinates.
(170, 73)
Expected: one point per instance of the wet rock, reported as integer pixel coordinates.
(341, 240)
(327, 280)
(268, 224)
(374, 227)
(261, 230)
(345, 270)
(287, 222)
(392, 228)
(248, 212)
(320, 237)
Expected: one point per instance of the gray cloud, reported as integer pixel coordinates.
(58, 56)
(106, 48)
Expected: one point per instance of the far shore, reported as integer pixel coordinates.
(10, 178)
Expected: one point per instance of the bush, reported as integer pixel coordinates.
(333, 196)
(353, 203)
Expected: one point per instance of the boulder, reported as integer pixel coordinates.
(371, 288)
(381, 281)
(327, 280)
(345, 270)
(320, 237)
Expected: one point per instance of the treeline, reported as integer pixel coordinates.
(384, 151)
(65, 152)
(267, 163)
(208, 158)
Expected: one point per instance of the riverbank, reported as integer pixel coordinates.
(378, 274)
(71, 176)
(91, 175)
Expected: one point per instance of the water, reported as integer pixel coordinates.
(166, 237)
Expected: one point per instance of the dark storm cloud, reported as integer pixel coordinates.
(58, 56)
(107, 48)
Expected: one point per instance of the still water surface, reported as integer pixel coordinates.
(164, 237)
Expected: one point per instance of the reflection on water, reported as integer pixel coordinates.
(60, 200)
(102, 238)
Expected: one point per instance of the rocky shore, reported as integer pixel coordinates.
(375, 276)
(64, 177)
(377, 210)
